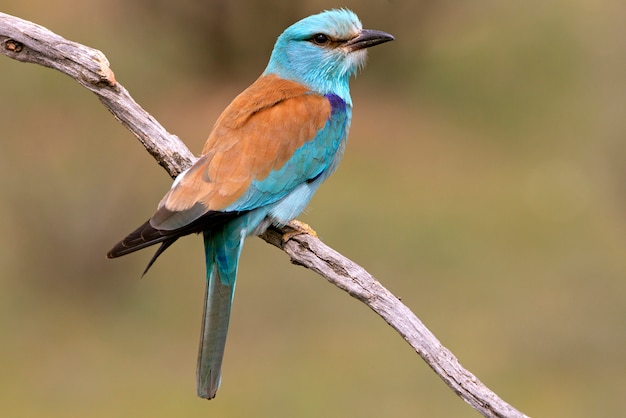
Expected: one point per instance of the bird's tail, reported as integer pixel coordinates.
(222, 256)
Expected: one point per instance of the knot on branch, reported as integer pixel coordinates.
(105, 74)
(13, 46)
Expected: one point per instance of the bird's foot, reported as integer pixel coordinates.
(297, 227)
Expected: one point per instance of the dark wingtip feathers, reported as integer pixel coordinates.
(164, 246)
(146, 235)
(142, 237)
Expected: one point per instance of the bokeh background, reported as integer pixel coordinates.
(484, 184)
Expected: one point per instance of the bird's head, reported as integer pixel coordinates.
(322, 51)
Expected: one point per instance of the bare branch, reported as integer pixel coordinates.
(310, 252)
(28, 42)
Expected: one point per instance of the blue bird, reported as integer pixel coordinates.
(266, 156)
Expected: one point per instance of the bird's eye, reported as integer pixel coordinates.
(320, 39)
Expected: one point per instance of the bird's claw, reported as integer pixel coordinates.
(297, 227)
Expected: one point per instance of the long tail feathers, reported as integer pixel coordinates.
(221, 275)
(223, 242)
(217, 305)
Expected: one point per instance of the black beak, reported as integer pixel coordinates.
(368, 38)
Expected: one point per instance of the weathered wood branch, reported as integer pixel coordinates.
(28, 42)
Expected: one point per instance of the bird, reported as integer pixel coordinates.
(265, 157)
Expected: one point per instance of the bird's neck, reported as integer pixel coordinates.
(336, 86)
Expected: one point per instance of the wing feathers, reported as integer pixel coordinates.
(142, 237)
(146, 235)
(256, 134)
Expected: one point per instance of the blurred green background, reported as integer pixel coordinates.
(484, 184)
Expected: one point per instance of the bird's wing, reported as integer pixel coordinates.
(273, 136)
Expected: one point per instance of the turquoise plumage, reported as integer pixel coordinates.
(266, 156)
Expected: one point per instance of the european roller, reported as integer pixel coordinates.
(266, 156)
